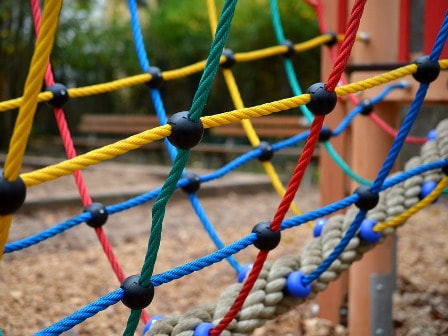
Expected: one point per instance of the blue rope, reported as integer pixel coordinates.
(161, 114)
(48, 233)
(206, 261)
(225, 252)
(83, 314)
(358, 109)
(239, 245)
(388, 163)
(391, 181)
(201, 263)
(113, 209)
(144, 65)
(291, 141)
(347, 120)
(210, 229)
(401, 137)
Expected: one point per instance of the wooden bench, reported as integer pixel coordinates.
(98, 126)
(274, 126)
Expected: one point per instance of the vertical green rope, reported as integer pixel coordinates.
(211, 67)
(199, 101)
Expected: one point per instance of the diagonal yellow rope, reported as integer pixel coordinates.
(108, 152)
(247, 125)
(33, 84)
(404, 216)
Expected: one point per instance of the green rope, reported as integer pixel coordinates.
(211, 67)
(295, 87)
(159, 207)
(344, 166)
(132, 324)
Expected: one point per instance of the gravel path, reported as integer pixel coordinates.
(44, 283)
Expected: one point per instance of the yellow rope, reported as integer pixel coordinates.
(96, 156)
(110, 86)
(33, 84)
(247, 125)
(110, 151)
(401, 218)
(169, 74)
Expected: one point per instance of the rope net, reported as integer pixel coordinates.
(264, 294)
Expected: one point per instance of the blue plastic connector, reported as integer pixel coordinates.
(295, 286)
(366, 231)
(243, 272)
(203, 329)
(427, 188)
(432, 135)
(318, 227)
(151, 322)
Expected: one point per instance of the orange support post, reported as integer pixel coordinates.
(370, 145)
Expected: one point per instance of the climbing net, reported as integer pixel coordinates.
(266, 289)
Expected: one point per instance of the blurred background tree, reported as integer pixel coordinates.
(94, 44)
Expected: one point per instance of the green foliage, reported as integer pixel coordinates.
(188, 38)
(94, 44)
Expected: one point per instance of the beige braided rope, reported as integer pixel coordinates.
(268, 299)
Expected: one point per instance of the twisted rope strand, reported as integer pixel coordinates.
(299, 171)
(194, 114)
(136, 141)
(161, 114)
(24, 121)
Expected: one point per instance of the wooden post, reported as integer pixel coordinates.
(332, 180)
(371, 281)
(370, 146)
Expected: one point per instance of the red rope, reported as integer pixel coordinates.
(239, 301)
(299, 171)
(71, 153)
(389, 130)
(317, 4)
(282, 209)
(347, 44)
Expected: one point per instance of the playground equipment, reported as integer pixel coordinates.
(268, 289)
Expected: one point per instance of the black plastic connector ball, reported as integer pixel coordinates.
(367, 199)
(156, 77)
(185, 133)
(194, 183)
(267, 239)
(427, 70)
(334, 39)
(136, 296)
(266, 151)
(99, 214)
(325, 134)
(445, 167)
(366, 107)
(291, 51)
(322, 101)
(60, 95)
(12, 195)
(230, 58)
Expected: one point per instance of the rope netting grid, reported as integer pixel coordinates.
(71, 152)
(318, 6)
(313, 134)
